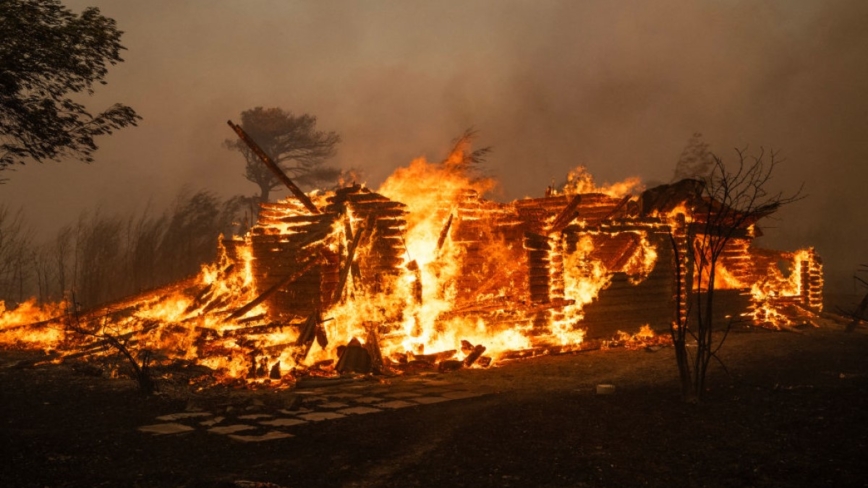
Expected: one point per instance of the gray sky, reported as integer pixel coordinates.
(616, 86)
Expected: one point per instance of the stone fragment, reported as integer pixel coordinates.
(458, 395)
(212, 422)
(317, 416)
(368, 399)
(333, 405)
(268, 436)
(255, 416)
(230, 429)
(395, 404)
(283, 422)
(425, 400)
(183, 415)
(359, 410)
(170, 428)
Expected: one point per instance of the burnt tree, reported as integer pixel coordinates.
(726, 206)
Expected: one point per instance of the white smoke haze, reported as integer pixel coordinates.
(616, 86)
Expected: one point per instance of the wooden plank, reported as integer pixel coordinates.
(268, 292)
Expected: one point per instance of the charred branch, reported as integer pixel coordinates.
(475, 354)
(859, 313)
(618, 208)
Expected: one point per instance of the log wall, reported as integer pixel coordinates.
(513, 256)
(626, 305)
(381, 251)
(282, 242)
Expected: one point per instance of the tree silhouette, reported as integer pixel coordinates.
(293, 142)
(48, 53)
(696, 161)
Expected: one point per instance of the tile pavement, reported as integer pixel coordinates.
(318, 405)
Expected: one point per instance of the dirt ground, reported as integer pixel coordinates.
(791, 410)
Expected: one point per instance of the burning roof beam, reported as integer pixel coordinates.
(308, 204)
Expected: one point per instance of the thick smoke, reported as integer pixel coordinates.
(616, 86)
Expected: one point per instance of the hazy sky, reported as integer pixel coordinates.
(616, 86)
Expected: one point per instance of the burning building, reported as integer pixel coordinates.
(425, 272)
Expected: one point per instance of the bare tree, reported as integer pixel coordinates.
(98, 258)
(858, 314)
(105, 257)
(15, 251)
(293, 142)
(728, 203)
(51, 266)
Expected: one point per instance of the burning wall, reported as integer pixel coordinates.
(530, 274)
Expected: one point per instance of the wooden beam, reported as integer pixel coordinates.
(567, 215)
(267, 293)
(351, 252)
(444, 233)
(308, 204)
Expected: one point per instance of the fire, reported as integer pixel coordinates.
(423, 271)
(642, 339)
(585, 276)
(27, 325)
(779, 292)
(432, 193)
(580, 181)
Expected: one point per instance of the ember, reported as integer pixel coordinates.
(426, 273)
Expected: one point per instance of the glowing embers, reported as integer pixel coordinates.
(645, 338)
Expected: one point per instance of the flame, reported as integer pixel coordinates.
(14, 330)
(584, 276)
(580, 180)
(778, 292)
(645, 337)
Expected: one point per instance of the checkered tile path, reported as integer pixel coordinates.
(317, 405)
